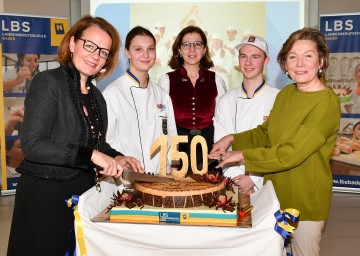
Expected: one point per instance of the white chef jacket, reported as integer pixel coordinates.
(136, 117)
(235, 113)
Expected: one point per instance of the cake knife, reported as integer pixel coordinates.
(131, 176)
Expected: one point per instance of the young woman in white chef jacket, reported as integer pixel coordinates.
(139, 111)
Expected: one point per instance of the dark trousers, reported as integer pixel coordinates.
(42, 221)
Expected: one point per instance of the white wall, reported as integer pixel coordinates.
(53, 8)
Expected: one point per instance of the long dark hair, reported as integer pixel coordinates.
(177, 61)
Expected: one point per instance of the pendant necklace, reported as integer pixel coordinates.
(95, 133)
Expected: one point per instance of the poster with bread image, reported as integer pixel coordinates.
(347, 147)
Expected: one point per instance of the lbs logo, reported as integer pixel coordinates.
(169, 217)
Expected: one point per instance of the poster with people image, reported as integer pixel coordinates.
(342, 32)
(224, 23)
(28, 46)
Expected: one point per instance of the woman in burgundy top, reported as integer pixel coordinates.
(193, 88)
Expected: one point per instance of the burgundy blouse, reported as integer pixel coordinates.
(194, 107)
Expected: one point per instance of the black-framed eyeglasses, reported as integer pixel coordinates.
(92, 47)
(197, 45)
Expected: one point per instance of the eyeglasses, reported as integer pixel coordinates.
(92, 47)
(197, 45)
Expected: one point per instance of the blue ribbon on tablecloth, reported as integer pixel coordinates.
(282, 226)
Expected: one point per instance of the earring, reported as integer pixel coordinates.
(71, 54)
(103, 70)
(286, 72)
(320, 71)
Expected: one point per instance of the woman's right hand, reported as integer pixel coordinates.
(128, 161)
(109, 166)
(24, 73)
(223, 144)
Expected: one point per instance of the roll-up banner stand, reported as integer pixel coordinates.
(342, 32)
(24, 39)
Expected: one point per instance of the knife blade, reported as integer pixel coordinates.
(131, 176)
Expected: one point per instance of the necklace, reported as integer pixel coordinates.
(93, 121)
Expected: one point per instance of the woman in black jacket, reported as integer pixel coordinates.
(63, 140)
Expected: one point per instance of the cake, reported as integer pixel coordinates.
(185, 193)
(186, 201)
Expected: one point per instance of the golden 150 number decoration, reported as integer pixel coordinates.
(161, 145)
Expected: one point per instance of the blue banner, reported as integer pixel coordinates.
(39, 35)
(27, 45)
(341, 32)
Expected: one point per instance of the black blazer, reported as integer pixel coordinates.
(55, 132)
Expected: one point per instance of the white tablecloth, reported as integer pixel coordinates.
(105, 238)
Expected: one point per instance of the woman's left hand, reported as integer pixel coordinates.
(128, 161)
(226, 157)
(245, 183)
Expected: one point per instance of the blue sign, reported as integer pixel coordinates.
(36, 35)
(346, 181)
(169, 217)
(342, 32)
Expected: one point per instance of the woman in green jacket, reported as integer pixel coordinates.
(293, 146)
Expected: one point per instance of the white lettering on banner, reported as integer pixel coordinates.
(15, 26)
(339, 25)
(23, 35)
(347, 182)
(349, 25)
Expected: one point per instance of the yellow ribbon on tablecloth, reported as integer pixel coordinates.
(79, 233)
(282, 226)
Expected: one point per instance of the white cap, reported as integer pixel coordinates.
(356, 123)
(231, 28)
(155, 31)
(159, 24)
(254, 40)
(216, 36)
